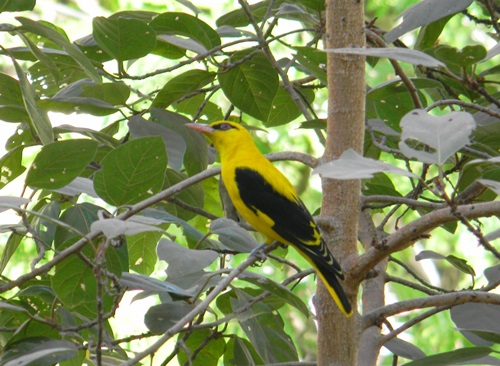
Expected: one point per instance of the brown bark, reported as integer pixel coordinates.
(337, 335)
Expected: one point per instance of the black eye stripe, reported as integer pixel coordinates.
(223, 127)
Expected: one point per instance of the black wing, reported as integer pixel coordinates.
(291, 219)
(294, 223)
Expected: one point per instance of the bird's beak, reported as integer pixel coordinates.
(206, 129)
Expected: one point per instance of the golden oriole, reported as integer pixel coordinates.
(267, 200)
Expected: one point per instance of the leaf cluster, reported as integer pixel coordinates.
(104, 208)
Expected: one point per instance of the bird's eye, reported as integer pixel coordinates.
(223, 127)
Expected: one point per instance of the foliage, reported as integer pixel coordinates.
(101, 208)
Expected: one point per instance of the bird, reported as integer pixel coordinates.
(266, 199)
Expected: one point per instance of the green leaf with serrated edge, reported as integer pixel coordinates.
(142, 251)
(58, 163)
(38, 119)
(132, 172)
(124, 38)
(276, 289)
(11, 166)
(45, 31)
(452, 357)
(208, 354)
(188, 26)
(182, 85)
(252, 85)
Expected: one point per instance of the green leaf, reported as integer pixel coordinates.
(284, 109)
(425, 12)
(264, 328)
(390, 101)
(11, 166)
(239, 351)
(276, 289)
(38, 351)
(453, 357)
(233, 236)
(85, 96)
(465, 57)
(314, 61)
(132, 172)
(182, 85)
(56, 37)
(252, 85)
(192, 196)
(460, 264)
(183, 261)
(195, 158)
(79, 217)
(186, 25)
(429, 34)
(58, 163)
(9, 249)
(380, 184)
(43, 225)
(16, 5)
(75, 284)
(142, 251)
(238, 18)
(174, 143)
(191, 106)
(160, 318)
(38, 120)
(124, 38)
(11, 100)
(207, 354)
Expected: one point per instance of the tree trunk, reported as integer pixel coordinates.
(338, 336)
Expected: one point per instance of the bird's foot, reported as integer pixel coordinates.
(259, 252)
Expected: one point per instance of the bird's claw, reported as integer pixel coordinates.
(259, 252)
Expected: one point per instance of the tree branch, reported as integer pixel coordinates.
(408, 234)
(202, 306)
(376, 317)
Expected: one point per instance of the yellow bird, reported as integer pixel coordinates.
(267, 200)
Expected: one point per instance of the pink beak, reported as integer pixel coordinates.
(206, 129)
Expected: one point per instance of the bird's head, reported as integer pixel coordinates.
(226, 136)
